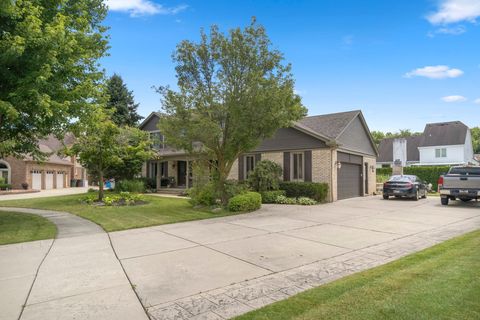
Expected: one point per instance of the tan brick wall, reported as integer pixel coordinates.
(276, 157)
(17, 172)
(48, 167)
(372, 176)
(322, 170)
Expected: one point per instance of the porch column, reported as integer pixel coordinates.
(159, 175)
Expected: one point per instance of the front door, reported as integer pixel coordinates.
(181, 173)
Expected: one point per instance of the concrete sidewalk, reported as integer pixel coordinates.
(75, 276)
(44, 193)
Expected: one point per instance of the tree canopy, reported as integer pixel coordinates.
(233, 91)
(49, 75)
(402, 133)
(121, 101)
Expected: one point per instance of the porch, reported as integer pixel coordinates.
(172, 175)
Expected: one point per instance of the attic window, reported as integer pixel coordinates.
(441, 153)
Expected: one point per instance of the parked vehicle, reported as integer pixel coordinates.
(461, 183)
(409, 186)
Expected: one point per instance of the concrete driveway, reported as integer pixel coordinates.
(219, 268)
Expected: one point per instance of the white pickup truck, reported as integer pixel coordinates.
(461, 183)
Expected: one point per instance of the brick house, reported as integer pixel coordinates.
(334, 148)
(56, 172)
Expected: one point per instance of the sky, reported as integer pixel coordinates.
(403, 63)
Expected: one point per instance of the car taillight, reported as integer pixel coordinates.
(385, 184)
(440, 181)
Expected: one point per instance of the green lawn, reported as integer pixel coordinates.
(20, 227)
(157, 211)
(442, 282)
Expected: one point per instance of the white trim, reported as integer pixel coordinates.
(9, 171)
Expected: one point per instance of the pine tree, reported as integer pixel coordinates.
(121, 100)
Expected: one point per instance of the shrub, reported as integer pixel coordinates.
(24, 185)
(265, 176)
(203, 195)
(426, 173)
(285, 200)
(119, 199)
(304, 201)
(234, 187)
(313, 190)
(135, 186)
(5, 186)
(271, 196)
(248, 201)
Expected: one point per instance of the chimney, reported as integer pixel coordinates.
(399, 155)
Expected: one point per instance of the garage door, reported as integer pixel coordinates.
(49, 180)
(349, 176)
(60, 180)
(36, 179)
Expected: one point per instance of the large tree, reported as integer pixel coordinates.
(402, 133)
(233, 91)
(121, 101)
(49, 51)
(475, 131)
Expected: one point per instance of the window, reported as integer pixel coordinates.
(5, 172)
(249, 164)
(157, 140)
(441, 153)
(153, 170)
(298, 166)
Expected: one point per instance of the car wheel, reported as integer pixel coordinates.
(417, 196)
(444, 201)
(385, 197)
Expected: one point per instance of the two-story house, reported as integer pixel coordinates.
(336, 149)
(444, 143)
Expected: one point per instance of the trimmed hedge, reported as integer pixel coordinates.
(429, 174)
(5, 186)
(271, 196)
(312, 190)
(248, 201)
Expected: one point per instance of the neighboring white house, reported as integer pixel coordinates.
(445, 143)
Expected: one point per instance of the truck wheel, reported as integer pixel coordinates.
(444, 201)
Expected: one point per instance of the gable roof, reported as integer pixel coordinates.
(444, 134)
(385, 149)
(330, 125)
(147, 119)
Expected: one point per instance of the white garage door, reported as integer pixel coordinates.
(36, 179)
(49, 180)
(59, 180)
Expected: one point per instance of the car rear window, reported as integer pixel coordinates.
(402, 178)
(465, 171)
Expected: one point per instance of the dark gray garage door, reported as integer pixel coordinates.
(349, 176)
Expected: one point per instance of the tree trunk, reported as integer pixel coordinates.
(100, 186)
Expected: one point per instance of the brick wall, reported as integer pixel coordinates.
(233, 175)
(17, 172)
(372, 176)
(324, 170)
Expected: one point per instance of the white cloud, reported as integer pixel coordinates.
(454, 99)
(454, 11)
(454, 31)
(138, 8)
(435, 72)
(477, 101)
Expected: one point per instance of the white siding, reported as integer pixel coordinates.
(455, 155)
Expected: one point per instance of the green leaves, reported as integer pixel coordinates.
(48, 68)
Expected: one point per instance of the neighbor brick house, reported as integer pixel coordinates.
(55, 172)
(336, 149)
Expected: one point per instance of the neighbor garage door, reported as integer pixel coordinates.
(49, 180)
(36, 179)
(60, 180)
(349, 176)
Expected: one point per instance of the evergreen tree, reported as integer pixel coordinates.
(121, 100)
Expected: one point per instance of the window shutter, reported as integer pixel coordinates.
(258, 157)
(286, 166)
(166, 169)
(240, 168)
(308, 166)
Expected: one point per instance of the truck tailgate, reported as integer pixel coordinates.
(461, 182)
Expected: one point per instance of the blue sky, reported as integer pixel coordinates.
(403, 63)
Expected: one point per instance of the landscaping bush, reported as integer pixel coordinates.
(135, 186)
(248, 201)
(313, 190)
(285, 200)
(24, 185)
(117, 199)
(265, 176)
(304, 201)
(5, 186)
(203, 195)
(426, 173)
(271, 196)
(234, 187)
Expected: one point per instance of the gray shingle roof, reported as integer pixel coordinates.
(385, 149)
(330, 125)
(444, 134)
